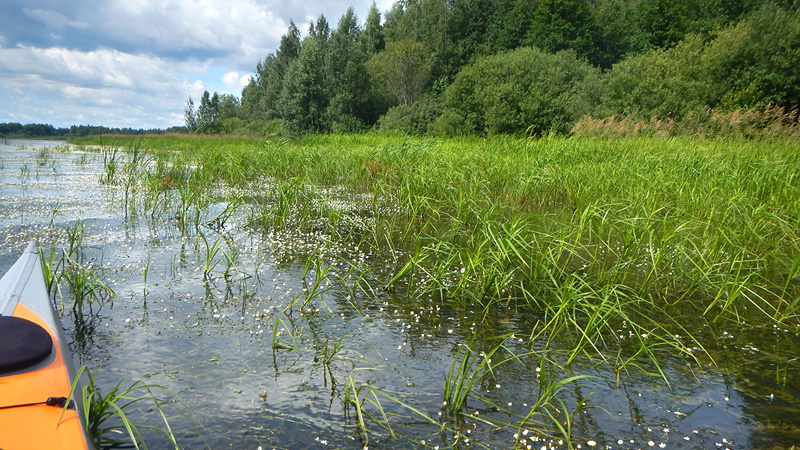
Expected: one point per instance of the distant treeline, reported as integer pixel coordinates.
(40, 130)
(452, 67)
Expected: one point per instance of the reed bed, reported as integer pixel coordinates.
(617, 252)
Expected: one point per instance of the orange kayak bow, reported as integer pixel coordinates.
(36, 368)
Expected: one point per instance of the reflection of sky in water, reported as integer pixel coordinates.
(211, 341)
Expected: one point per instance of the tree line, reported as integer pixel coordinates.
(41, 130)
(455, 67)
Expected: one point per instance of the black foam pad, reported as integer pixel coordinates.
(22, 344)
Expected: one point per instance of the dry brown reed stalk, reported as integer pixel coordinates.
(771, 122)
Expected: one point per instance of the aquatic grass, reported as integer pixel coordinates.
(51, 268)
(70, 267)
(468, 368)
(137, 162)
(278, 344)
(25, 172)
(44, 156)
(145, 272)
(328, 353)
(404, 184)
(111, 163)
(210, 254)
(363, 398)
(74, 236)
(105, 415)
(230, 258)
(603, 251)
(85, 286)
(789, 294)
(322, 275)
(546, 413)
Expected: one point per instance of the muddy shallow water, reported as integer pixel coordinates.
(210, 339)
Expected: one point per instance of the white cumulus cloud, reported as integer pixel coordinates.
(235, 83)
(134, 63)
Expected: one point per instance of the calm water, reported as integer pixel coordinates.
(211, 341)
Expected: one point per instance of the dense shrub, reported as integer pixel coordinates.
(525, 90)
(450, 124)
(660, 83)
(749, 65)
(756, 63)
(414, 118)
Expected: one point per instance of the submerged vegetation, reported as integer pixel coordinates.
(622, 255)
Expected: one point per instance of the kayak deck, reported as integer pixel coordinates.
(27, 421)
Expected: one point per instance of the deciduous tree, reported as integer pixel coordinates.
(404, 68)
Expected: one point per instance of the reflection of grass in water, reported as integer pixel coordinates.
(615, 246)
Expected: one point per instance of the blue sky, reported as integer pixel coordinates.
(134, 63)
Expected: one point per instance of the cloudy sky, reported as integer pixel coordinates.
(134, 63)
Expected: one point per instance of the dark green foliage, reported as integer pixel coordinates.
(212, 111)
(516, 21)
(748, 65)
(189, 115)
(415, 118)
(662, 83)
(346, 78)
(660, 24)
(372, 39)
(404, 68)
(479, 27)
(261, 98)
(41, 130)
(565, 24)
(524, 90)
(451, 124)
(303, 97)
(615, 40)
(755, 63)
(425, 22)
(668, 60)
